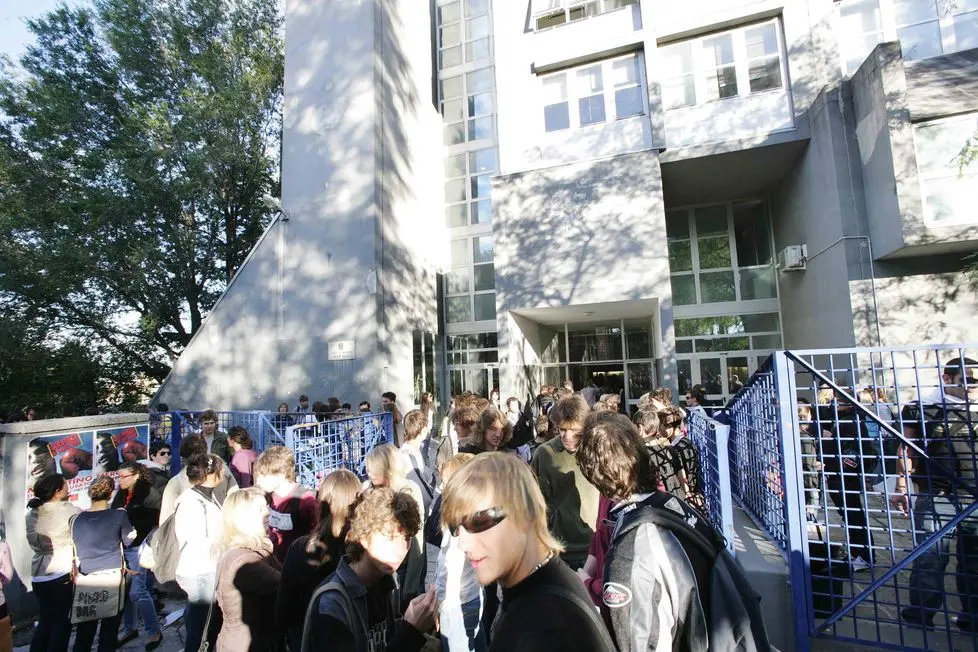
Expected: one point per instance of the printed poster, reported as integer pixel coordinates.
(82, 456)
(69, 454)
(114, 446)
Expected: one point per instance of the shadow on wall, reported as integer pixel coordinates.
(338, 268)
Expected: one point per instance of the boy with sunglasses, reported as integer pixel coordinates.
(495, 508)
(358, 607)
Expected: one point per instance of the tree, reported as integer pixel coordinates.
(136, 142)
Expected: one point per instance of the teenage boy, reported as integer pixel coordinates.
(357, 608)
(495, 508)
(415, 435)
(572, 501)
(647, 564)
(217, 441)
(294, 509)
(388, 401)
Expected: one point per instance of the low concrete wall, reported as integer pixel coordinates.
(764, 564)
(14, 450)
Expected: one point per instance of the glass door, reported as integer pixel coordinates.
(478, 379)
(722, 375)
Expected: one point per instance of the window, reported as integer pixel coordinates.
(925, 28)
(468, 179)
(860, 29)
(763, 60)
(728, 333)
(588, 95)
(464, 32)
(470, 285)
(719, 67)
(556, 111)
(472, 348)
(466, 107)
(946, 188)
(551, 13)
(424, 364)
(720, 253)
(736, 63)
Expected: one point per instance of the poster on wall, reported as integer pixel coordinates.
(69, 454)
(114, 446)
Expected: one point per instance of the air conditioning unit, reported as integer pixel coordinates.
(793, 258)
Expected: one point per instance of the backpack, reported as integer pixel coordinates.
(732, 608)
(164, 552)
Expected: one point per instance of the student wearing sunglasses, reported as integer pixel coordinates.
(495, 508)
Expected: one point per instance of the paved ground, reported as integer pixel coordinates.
(876, 621)
(170, 620)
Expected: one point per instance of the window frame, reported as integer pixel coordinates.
(889, 30)
(697, 269)
(609, 92)
(469, 266)
(702, 66)
(927, 177)
(565, 12)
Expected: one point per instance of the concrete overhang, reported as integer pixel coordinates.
(730, 170)
(590, 312)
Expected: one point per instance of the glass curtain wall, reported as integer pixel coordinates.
(467, 99)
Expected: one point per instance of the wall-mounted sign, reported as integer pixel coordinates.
(345, 350)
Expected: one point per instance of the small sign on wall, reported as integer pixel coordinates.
(345, 350)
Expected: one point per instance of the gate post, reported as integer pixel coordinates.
(796, 524)
(176, 436)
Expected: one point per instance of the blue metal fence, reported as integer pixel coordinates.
(711, 440)
(342, 443)
(822, 480)
(320, 443)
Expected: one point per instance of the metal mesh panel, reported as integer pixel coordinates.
(343, 443)
(756, 455)
(710, 439)
(878, 575)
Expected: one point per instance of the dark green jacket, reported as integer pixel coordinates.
(572, 501)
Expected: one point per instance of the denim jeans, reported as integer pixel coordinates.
(200, 596)
(461, 629)
(54, 615)
(930, 513)
(139, 596)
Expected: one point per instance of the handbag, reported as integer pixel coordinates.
(96, 595)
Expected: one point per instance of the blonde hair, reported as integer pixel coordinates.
(453, 464)
(277, 460)
(384, 462)
(244, 520)
(508, 480)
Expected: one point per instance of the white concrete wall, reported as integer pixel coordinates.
(522, 55)
(925, 308)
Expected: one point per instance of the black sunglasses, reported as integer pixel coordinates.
(480, 521)
(164, 453)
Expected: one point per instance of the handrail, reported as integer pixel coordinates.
(875, 417)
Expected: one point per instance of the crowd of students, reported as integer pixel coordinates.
(503, 527)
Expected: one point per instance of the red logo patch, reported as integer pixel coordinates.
(616, 595)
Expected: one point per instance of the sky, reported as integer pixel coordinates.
(14, 35)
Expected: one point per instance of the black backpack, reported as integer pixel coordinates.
(732, 607)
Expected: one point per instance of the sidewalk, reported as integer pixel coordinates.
(170, 621)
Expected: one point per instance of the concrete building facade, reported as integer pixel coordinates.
(620, 191)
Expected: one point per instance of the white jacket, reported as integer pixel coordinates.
(199, 527)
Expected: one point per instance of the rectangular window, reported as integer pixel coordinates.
(629, 96)
(947, 189)
(860, 29)
(735, 63)
(590, 94)
(679, 86)
(552, 13)
(918, 28)
(719, 68)
(584, 96)
(556, 110)
(763, 58)
(721, 253)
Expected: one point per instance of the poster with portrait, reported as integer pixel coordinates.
(114, 446)
(69, 454)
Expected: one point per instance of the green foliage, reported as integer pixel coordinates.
(136, 141)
